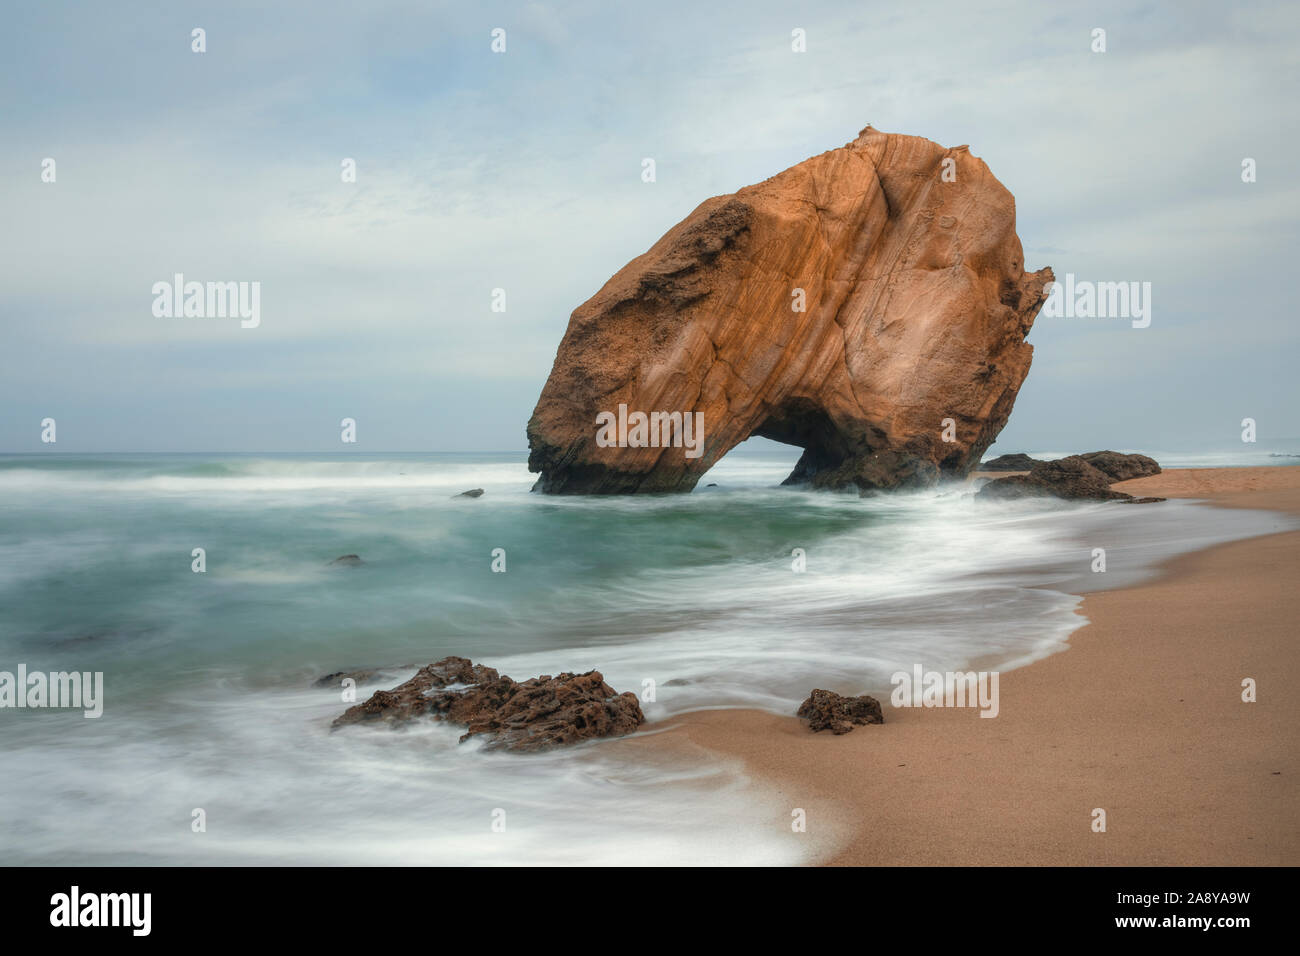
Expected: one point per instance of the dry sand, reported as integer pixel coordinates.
(1141, 716)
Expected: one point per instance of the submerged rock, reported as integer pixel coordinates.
(1016, 462)
(826, 710)
(336, 679)
(1120, 467)
(347, 561)
(861, 305)
(535, 714)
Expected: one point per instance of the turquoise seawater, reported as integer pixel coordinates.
(209, 702)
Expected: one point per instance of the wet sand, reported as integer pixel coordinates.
(1142, 717)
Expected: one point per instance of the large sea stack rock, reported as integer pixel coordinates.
(535, 714)
(849, 306)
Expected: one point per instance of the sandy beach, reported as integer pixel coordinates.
(1141, 716)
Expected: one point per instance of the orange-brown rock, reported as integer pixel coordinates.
(915, 306)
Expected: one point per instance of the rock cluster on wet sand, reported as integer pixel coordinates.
(1077, 477)
(535, 714)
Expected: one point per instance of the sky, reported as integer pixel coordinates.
(478, 170)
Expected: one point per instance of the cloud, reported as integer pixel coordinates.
(521, 171)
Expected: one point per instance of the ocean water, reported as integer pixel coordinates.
(1265, 454)
(209, 696)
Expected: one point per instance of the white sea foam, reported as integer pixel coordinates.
(207, 675)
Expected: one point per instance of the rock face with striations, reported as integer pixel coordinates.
(848, 305)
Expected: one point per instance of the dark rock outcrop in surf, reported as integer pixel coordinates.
(1121, 467)
(1072, 478)
(1016, 462)
(535, 714)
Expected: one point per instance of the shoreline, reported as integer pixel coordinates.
(1141, 716)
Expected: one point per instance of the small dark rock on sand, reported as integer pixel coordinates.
(826, 710)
